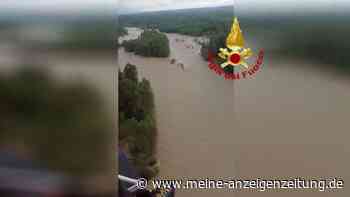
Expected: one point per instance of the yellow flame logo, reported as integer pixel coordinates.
(235, 53)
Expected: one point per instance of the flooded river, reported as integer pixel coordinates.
(289, 120)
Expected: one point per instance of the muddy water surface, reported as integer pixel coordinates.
(289, 120)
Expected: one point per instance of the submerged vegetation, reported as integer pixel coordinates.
(137, 124)
(216, 41)
(151, 43)
(319, 37)
(195, 22)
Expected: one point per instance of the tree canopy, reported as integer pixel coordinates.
(151, 43)
(300, 36)
(195, 22)
(137, 124)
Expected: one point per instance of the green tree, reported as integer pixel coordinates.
(137, 125)
(130, 72)
(149, 44)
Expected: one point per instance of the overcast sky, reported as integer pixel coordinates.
(76, 6)
(241, 5)
(151, 5)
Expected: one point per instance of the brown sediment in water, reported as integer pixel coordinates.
(286, 121)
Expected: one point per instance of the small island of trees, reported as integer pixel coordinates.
(151, 43)
(137, 124)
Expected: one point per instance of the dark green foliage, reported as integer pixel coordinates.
(216, 41)
(145, 92)
(150, 44)
(315, 36)
(130, 45)
(137, 125)
(130, 72)
(211, 22)
(195, 22)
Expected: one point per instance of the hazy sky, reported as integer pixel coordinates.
(76, 6)
(243, 5)
(150, 5)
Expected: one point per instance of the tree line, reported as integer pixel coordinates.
(195, 22)
(214, 23)
(137, 123)
(301, 36)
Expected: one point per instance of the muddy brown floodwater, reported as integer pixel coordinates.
(290, 120)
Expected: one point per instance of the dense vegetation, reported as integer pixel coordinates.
(320, 37)
(151, 43)
(216, 41)
(210, 22)
(137, 125)
(194, 22)
(63, 125)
